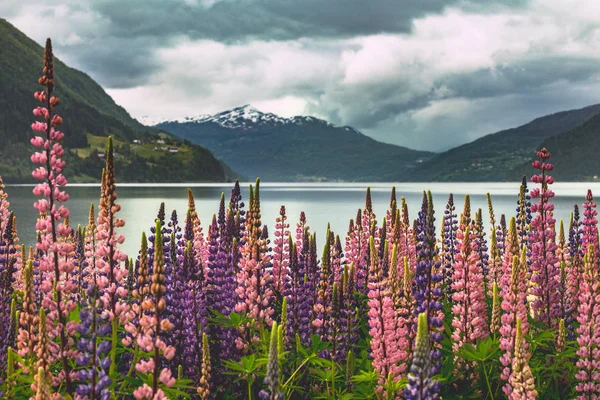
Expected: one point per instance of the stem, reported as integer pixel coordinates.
(249, 388)
(296, 371)
(113, 350)
(487, 380)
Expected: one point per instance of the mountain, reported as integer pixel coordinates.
(507, 154)
(90, 115)
(296, 149)
(574, 153)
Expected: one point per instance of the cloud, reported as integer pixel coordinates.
(427, 75)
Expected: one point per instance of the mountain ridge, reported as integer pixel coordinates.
(90, 115)
(298, 148)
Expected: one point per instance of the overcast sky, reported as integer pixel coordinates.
(426, 74)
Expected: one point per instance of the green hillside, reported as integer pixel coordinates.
(90, 115)
(493, 157)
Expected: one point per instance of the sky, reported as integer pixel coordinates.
(427, 74)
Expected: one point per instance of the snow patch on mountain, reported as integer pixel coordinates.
(248, 117)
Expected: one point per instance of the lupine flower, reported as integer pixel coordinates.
(28, 318)
(495, 321)
(521, 379)
(94, 351)
(55, 266)
(590, 223)
(511, 251)
(193, 231)
(561, 337)
(480, 242)
(495, 265)
(221, 286)
(281, 251)
(469, 309)
(427, 291)
(566, 301)
(336, 256)
(154, 326)
(8, 261)
(356, 251)
(421, 384)
(272, 380)
(524, 211)
(195, 315)
(255, 292)
(388, 343)
(501, 233)
(390, 216)
(293, 291)
(407, 305)
(322, 308)
(588, 334)
(204, 381)
(448, 248)
(43, 392)
(544, 268)
(514, 305)
(349, 329)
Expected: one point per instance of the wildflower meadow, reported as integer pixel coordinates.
(456, 306)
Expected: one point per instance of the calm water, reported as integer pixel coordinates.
(322, 202)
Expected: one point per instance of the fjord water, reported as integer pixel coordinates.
(323, 203)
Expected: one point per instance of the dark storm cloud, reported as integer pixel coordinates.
(229, 20)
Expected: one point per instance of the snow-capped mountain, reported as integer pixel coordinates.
(248, 117)
(294, 149)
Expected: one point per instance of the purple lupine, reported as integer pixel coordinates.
(293, 293)
(449, 249)
(221, 286)
(524, 211)
(8, 259)
(322, 307)
(590, 222)
(427, 291)
(574, 266)
(177, 299)
(305, 291)
(421, 384)
(94, 351)
(501, 233)
(195, 313)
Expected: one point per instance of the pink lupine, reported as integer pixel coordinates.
(588, 332)
(281, 252)
(545, 272)
(468, 294)
(514, 307)
(254, 291)
(55, 266)
(388, 335)
(356, 250)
